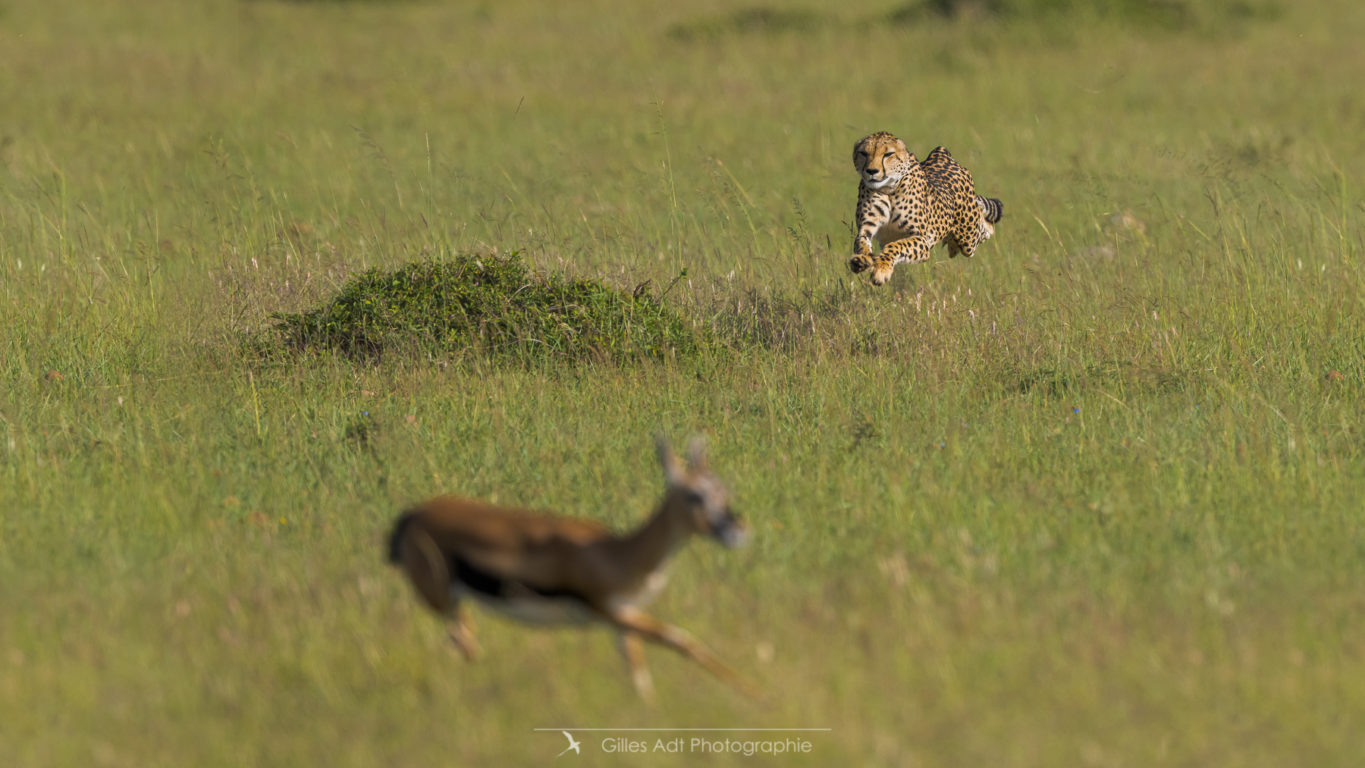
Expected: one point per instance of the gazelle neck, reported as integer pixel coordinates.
(647, 549)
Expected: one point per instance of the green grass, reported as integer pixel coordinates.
(1089, 498)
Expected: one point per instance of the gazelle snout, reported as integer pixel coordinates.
(730, 530)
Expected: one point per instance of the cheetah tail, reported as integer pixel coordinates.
(992, 207)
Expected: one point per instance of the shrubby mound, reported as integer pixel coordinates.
(491, 305)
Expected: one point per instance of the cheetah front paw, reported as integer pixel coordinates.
(881, 274)
(859, 263)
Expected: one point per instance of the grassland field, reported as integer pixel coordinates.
(1090, 498)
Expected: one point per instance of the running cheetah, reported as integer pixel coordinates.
(910, 206)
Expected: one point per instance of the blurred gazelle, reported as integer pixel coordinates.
(553, 570)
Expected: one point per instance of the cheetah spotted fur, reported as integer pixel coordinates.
(910, 207)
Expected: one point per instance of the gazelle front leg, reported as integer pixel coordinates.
(633, 649)
(635, 621)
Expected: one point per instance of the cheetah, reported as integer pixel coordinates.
(910, 206)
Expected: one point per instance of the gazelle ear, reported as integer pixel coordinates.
(673, 471)
(696, 452)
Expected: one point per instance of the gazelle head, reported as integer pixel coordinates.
(697, 496)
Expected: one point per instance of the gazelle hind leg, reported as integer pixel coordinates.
(430, 576)
(633, 650)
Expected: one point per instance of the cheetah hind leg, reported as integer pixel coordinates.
(966, 240)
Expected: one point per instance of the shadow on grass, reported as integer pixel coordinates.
(1169, 15)
(1056, 382)
(1174, 15)
(762, 20)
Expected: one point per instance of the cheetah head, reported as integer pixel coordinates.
(881, 160)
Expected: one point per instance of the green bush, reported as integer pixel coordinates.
(487, 305)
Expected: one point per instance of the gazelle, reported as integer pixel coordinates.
(552, 570)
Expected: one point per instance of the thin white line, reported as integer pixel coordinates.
(557, 730)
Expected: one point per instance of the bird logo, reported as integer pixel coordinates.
(573, 744)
